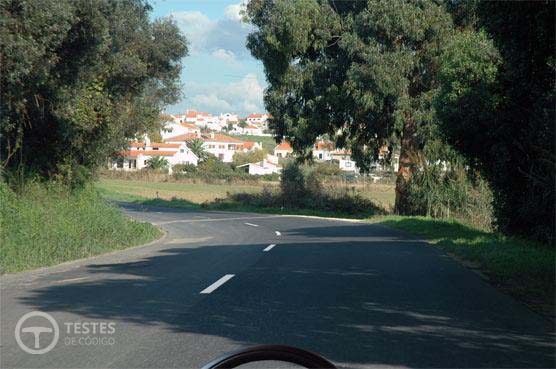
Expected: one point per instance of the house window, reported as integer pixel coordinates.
(320, 156)
(132, 163)
(348, 163)
(155, 148)
(145, 162)
(182, 150)
(120, 163)
(222, 146)
(278, 154)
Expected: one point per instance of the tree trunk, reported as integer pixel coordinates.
(406, 166)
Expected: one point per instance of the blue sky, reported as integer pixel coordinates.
(219, 74)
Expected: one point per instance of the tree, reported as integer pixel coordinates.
(196, 145)
(497, 107)
(361, 72)
(242, 124)
(79, 79)
(157, 163)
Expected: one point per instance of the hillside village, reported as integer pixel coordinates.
(223, 137)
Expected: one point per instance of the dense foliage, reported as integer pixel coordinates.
(496, 105)
(79, 78)
(358, 71)
(431, 77)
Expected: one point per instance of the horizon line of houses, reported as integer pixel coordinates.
(179, 132)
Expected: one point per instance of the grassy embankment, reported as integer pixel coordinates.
(523, 269)
(46, 225)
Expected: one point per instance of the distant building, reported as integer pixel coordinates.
(322, 150)
(261, 168)
(252, 130)
(173, 129)
(138, 154)
(283, 150)
(256, 119)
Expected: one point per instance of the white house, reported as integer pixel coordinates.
(257, 119)
(222, 146)
(322, 150)
(344, 160)
(140, 152)
(174, 129)
(283, 150)
(261, 168)
(252, 130)
(226, 118)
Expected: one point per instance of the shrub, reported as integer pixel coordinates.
(447, 190)
(184, 168)
(292, 183)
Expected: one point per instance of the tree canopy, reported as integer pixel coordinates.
(439, 78)
(357, 71)
(496, 106)
(79, 78)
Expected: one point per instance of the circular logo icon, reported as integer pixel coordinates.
(36, 331)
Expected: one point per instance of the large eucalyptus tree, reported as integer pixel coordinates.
(362, 72)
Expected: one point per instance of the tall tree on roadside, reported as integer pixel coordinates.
(497, 106)
(79, 78)
(362, 72)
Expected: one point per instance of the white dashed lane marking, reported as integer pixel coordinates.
(269, 247)
(217, 284)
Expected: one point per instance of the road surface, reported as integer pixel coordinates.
(361, 295)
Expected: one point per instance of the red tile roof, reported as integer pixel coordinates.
(249, 145)
(183, 137)
(218, 137)
(190, 125)
(284, 146)
(135, 153)
(166, 145)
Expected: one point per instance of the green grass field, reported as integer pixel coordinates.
(198, 193)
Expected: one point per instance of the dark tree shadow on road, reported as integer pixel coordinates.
(356, 303)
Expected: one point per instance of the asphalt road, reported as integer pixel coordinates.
(361, 295)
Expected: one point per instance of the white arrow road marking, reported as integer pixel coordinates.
(269, 247)
(251, 224)
(217, 284)
(278, 233)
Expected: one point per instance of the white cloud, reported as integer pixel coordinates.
(243, 97)
(195, 26)
(223, 54)
(232, 12)
(211, 103)
(205, 35)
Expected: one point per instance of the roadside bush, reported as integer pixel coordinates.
(184, 168)
(443, 192)
(292, 183)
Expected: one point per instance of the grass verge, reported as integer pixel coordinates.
(45, 225)
(523, 269)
